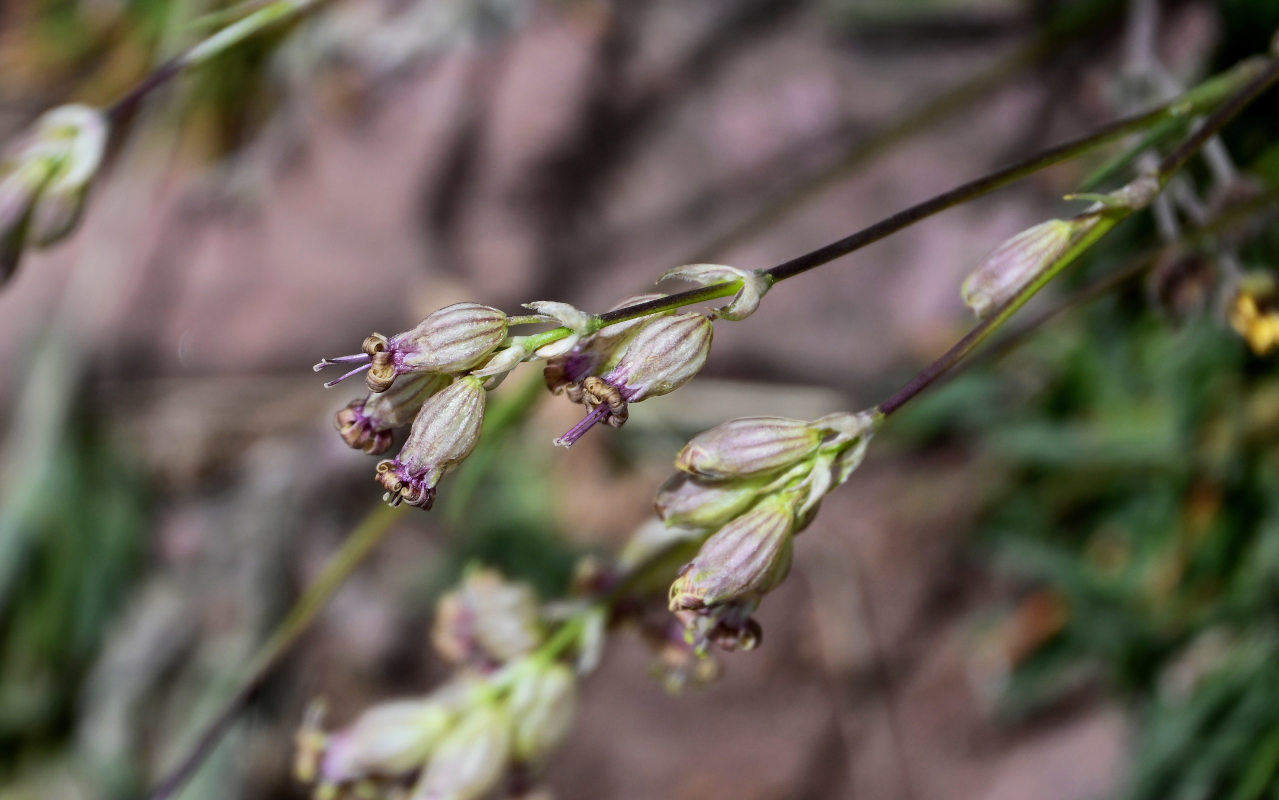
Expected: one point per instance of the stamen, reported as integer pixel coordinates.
(599, 413)
(329, 362)
(355, 371)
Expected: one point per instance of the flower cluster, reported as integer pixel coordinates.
(436, 376)
(507, 707)
(750, 485)
(44, 180)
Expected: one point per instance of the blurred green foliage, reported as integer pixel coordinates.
(83, 554)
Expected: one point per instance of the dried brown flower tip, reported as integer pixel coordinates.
(368, 424)
(662, 356)
(598, 352)
(444, 433)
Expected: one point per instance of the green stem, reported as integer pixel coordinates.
(367, 535)
(233, 34)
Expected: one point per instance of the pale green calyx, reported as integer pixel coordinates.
(749, 446)
(754, 284)
(470, 759)
(741, 561)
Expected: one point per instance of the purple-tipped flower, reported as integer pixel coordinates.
(369, 424)
(597, 352)
(449, 341)
(664, 355)
(443, 434)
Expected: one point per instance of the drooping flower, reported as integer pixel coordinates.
(444, 433)
(662, 356)
(449, 341)
(368, 424)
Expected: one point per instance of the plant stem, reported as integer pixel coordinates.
(366, 536)
(1171, 163)
(1196, 101)
(250, 25)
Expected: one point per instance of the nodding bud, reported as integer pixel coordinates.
(749, 446)
(661, 357)
(754, 285)
(687, 501)
(487, 621)
(598, 352)
(46, 179)
(444, 433)
(542, 703)
(368, 424)
(470, 760)
(742, 561)
(1254, 312)
(388, 739)
(1017, 262)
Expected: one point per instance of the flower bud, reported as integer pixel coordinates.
(741, 562)
(46, 179)
(754, 285)
(367, 424)
(388, 739)
(749, 446)
(487, 620)
(542, 704)
(470, 760)
(664, 355)
(444, 434)
(687, 501)
(1254, 312)
(1017, 262)
(73, 139)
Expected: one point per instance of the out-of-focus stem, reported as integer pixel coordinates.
(233, 34)
(357, 547)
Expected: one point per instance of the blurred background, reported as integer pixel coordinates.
(1056, 577)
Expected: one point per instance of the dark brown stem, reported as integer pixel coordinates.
(1206, 94)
